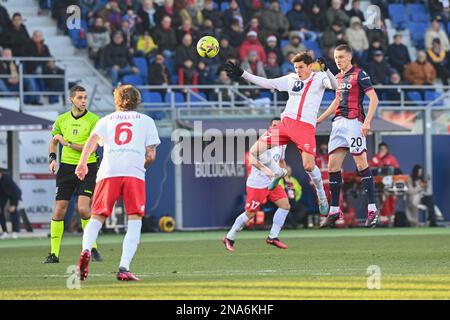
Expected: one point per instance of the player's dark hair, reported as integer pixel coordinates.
(16, 14)
(383, 144)
(275, 119)
(344, 47)
(127, 98)
(76, 89)
(303, 56)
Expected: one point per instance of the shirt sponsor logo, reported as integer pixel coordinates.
(298, 86)
(75, 132)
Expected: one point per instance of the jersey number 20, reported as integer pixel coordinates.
(123, 130)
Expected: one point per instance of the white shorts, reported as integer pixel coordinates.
(346, 133)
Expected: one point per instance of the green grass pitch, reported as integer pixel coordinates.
(319, 264)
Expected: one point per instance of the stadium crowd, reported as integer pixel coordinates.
(261, 35)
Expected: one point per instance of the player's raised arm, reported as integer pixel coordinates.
(330, 81)
(280, 84)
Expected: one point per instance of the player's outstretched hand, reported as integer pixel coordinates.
(323, 64)
(81, 171)
(233, 70)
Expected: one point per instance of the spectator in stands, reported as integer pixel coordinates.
(9, 191)
(128, 35)
(308, 5)
(16, 35)
(317, 18)
(35, 48)
(253, 65)
(187, 74)
(272, 47)
(9, 68)
(133, 19)
(186, 28)
(97, 39)
(383, 5)
(53, 84)
(374, 46)
(383, 158)
(357, 39)
(435, 31)
(379, 34)
(192, 13)
(420, 72)
(295, 44)
(378, 69)
(215, 16)
(158, 74)
(252, 7)
(205, 76)
(298, 20)
(166, 38)
(331, 63)
(441, 9)
(274, 22)
(355, 11)
(207, 29)
(222, 80)
(418, 194)
(145, 46)
(147, 14)
(186, 51)
(5, 21)
(252, 44)
(333, 36)
(335, 12)
(393, 94)
(398, 54)
(89, 9)
(272, 68)
(59, 11)
(232, 14)
(226, 51)
(111, 13)
(254, 26)
(118, 60)
(168, 10)
(235, 34)
(438, 58)
(287, 66)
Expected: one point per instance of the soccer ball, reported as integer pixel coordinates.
(208, 47)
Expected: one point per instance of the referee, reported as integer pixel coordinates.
(71, 130)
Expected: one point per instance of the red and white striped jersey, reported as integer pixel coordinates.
(305, 96)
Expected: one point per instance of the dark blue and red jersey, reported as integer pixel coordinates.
(352, 86)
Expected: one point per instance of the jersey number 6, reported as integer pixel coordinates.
(123, 128)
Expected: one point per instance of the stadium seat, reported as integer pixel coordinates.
(417, 31)
(414, 96)
(398, 15)
(431, 95)
(313, 45)
(328, 97)
(224, 6)
(197, 101)
(420, 17)
(285, 6)
(448, 27)
(179, 97)
(415, 8)
(265, 94)
(283, 43)
(142, 65)
(134, 80)
(152, 97)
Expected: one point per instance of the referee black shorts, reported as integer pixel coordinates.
(67, 183)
